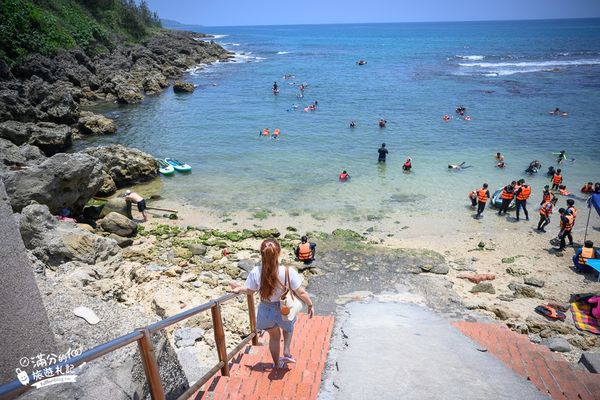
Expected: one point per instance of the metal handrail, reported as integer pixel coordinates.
(143, 337)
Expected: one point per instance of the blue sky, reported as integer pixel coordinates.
(281, 12)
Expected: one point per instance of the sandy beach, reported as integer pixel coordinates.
(513, 250)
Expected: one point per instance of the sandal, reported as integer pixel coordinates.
(288, 359)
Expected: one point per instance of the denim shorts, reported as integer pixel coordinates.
(269, 316)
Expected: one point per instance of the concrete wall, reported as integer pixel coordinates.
(24, 327)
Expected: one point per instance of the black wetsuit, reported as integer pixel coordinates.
(382, 154)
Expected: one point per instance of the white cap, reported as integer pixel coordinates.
(127, 192)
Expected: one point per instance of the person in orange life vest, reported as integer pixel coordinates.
(588, 188)
(306, 250)
(572, 209)
(566, 225)
(483, 195)
(545, 212)
(344, 176)
(407, 164)
(556, 179)
(583, 254)
(522, 194)
(547, 195)
(562, 190)
(508, 194)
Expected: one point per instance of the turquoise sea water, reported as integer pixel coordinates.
(507, 74)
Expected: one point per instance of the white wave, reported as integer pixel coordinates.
(218, 36)
(521, 71)
(539, 64)
(283, 52)
(472, 58)
(246, 57)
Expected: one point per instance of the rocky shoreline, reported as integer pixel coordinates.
(131, 275)
(42, 103)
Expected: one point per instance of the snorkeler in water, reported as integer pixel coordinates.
(458, 167)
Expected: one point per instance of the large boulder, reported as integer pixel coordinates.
(183, 87)
(118, 224)
(108, 185)
(95, 124)
(117, 205)
(126, 166)
(12, 155)
(63, 180)
(49, 137)
(54, 242)
(126, 91)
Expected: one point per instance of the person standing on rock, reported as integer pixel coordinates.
(267, 279)
(132, 197)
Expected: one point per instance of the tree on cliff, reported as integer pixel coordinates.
(46, 26)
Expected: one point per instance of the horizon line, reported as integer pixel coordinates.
(390, 22)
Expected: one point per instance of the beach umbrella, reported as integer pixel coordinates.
(594, 201)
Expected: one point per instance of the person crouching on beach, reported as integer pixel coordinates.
(306, 250)
(266, 280)
(132, 197)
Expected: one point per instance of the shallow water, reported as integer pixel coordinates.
(507, 74)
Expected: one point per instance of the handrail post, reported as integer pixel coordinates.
(150, 365)
(220, 338)
(252, 315)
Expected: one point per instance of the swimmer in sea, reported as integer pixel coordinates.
(499, 156)
(275, 87)
(352, 124)
(562, 157)
(382, 123)
(458, 167)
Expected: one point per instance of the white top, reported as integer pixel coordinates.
(253, 281)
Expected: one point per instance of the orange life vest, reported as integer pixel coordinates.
(343, 177)
(304, 252)
(573, 213)
(506, 195)
(276, 132)
(567, 226)
(587, 188)
(547, 196)
(265, 132)
(586, 254)
(546, 208)
(482, 195)
(525, 192)
(557, 179)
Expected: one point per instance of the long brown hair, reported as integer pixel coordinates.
(269, 276)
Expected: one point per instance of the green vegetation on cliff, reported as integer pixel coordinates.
(46, 26)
